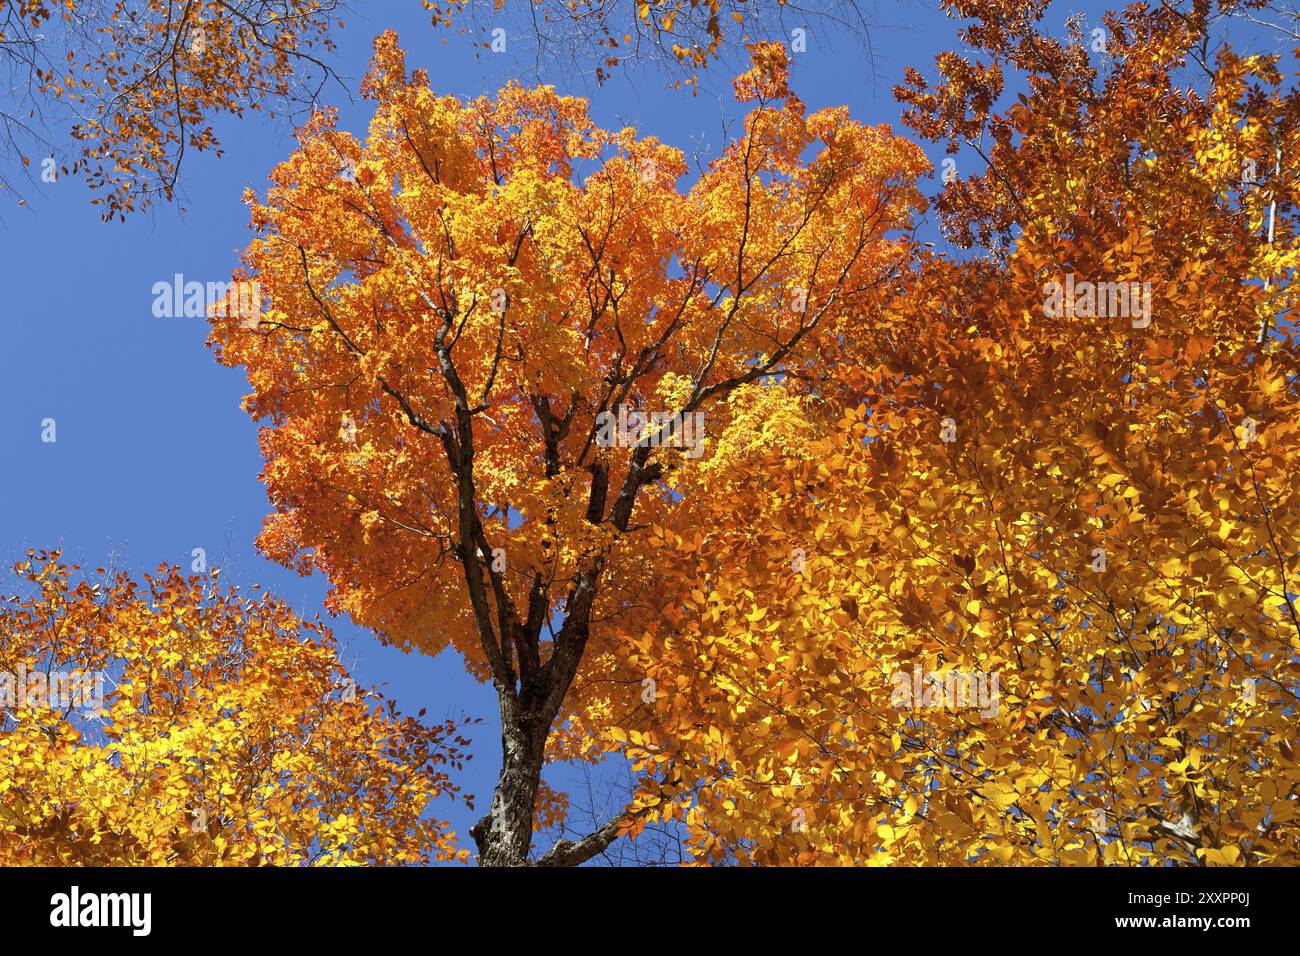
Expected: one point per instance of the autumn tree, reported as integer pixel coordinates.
(1145, 457)
(464, 309)
(142, 82)
(177, 723)
(1090, 497)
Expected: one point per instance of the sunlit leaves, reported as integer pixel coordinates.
(228, 734)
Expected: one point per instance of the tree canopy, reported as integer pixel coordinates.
(856, 548)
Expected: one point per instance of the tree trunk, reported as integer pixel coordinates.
(505, 834)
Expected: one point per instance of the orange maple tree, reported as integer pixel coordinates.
(465, 314)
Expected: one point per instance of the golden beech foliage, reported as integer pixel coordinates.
(1111, 526)
(912, 463)
(149, 78)
(227, 734)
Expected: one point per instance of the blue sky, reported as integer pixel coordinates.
(154, 457)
